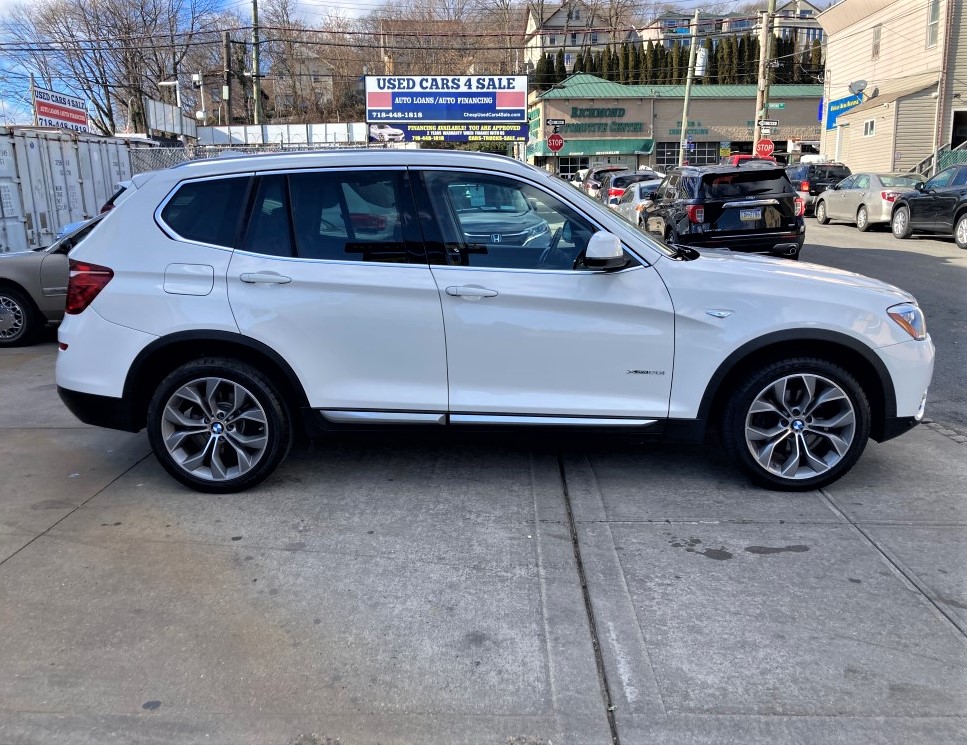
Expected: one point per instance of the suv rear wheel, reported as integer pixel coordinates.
(797, 424)
(218, 425)
(960, 231)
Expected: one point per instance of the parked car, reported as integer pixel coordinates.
(592, 181)
(865, 199)
(577, 178)
(119, 190)
(635, 201)
(385, 133)
(812, 179)
(33, 287)
(738, 159)
(232, 323)
(743, 209)
(614, 184)
(937, 206)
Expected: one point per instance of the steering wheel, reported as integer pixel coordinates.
(547, 252)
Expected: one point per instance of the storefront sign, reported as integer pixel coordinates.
(578, 112)
(840, 106)
(694, 128)
(59, 110)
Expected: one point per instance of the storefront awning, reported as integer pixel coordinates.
(614, 146)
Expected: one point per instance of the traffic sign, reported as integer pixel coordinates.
(768, 122)
(778, 105)
(764, 148)
(554, 122)
(555, 142)
(765, 131)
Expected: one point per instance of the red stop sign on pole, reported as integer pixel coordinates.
(555, 142)
(764, 148)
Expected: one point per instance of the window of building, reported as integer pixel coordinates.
(699, 154)
(568, 59)
(877, 29)
(869, 127)
(933, 23)
(552, 40)
(594, 38)
(574, 38)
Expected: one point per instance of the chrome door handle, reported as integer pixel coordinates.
(470, 292)
(265, 278)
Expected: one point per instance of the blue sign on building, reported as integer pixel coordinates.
(840, 106)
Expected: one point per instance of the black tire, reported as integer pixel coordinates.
(20, 320)
(821, 217)
(781, 446)
(900, 223)
(229, 437)
(863, 219)
(960, 231)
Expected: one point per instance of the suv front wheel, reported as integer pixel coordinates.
(218, 425)
(797, 424)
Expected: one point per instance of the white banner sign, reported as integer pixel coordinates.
(60, 110)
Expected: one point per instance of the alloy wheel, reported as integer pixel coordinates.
(800, 426)
(12, 318)
(214, 429)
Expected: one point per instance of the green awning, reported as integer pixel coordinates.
(613, 146)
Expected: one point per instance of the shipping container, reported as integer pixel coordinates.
(50, 178)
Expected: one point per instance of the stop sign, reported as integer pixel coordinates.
(555, 142)
(764, 148)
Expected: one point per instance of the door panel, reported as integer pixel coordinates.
(360, 331)
(529, 330)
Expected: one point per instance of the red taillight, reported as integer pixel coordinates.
(889, 196)
(696, 214)
(800, 206)
(612, 192)
(86, 281)
(804, 186)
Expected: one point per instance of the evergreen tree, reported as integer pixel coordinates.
(599, 64)
(578, 65)
(650, 73)
(711, 70)
(542, 75)
(674, 64)
(560, 69)
(816, 60)
(606, 63)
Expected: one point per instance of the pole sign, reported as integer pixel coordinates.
(471, 106)
(764, 148)
(59, 110)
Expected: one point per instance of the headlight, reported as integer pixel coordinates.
(537, 230)
(909, 317)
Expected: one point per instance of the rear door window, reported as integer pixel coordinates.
(208, 211)
(744, 184)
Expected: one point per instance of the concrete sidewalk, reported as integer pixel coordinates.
(469, 590)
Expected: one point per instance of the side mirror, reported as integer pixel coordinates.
(604, 252)
(919, 185)
(835, 187)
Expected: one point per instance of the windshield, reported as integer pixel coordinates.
(65, 244)
(487, 198)
(901, 180)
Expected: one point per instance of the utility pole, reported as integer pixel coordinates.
(765, 52)
(227, 76)
(688, 88)
(256, 85)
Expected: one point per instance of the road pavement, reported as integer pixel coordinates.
(473, 590)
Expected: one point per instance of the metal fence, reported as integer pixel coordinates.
(155, 158)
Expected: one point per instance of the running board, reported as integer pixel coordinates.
(344, 416)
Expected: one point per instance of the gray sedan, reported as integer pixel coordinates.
(33, 287)
(635, 199)
(865, 199)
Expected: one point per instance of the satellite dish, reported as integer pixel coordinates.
(857, 87)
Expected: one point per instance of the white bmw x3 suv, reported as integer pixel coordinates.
(229, 305)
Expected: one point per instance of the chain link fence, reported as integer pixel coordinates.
(155, 158)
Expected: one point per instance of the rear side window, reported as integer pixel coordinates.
(832, 173)
(207, 211)
(744, 184)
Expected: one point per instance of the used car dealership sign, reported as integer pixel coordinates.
(59, 110)
(457, 99)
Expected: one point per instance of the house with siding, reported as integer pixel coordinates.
(895, 83)
(572, 27)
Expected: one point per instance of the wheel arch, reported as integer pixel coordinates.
(850, 354)
(162, 356)
(9, 284)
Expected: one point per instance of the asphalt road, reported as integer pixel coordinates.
(935, 271)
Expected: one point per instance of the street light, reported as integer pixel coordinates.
(177, 86)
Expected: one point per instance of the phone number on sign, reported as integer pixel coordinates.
(396, 115)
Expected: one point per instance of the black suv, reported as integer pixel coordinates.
(812, 179)
(937, 206)
(755, 210)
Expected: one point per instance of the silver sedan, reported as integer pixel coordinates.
(865, 199)
(635, 199)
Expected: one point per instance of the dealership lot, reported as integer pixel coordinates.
(482, 590)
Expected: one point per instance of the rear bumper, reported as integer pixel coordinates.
(777, 244)
(100, 411)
